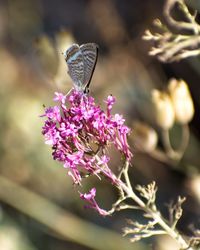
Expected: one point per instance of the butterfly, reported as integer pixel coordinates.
(81, 61)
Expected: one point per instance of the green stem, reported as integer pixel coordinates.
(185, 139)
(167, 145)
(178, 153)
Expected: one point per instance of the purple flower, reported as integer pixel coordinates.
(79, 132)
(103, 160)
(90, 198)
(53, 113)
(59, 97)
(50, 133)
(110, 101)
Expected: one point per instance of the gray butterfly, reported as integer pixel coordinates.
(81, 61)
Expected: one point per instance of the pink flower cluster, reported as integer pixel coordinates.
(90, 198)
(80, 132)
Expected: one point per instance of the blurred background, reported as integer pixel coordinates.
(39, 207)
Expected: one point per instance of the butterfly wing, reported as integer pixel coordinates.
(90, 54)
(75, 62)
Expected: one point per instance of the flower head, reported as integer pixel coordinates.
(80, 131)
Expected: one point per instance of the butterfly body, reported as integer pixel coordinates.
(81, 61)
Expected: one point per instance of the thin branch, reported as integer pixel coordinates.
(172, 49)
(171, 46)
(155, 215)
(181, 25)
(126, 176)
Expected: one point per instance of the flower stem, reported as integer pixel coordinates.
(167, 144)
(185, 139)
(152, 212)
(178, 153)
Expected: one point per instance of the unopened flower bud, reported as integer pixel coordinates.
(144, 137)
(193, 184)
(164, 112)
(182, 101)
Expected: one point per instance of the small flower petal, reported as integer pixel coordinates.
(90, 198)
